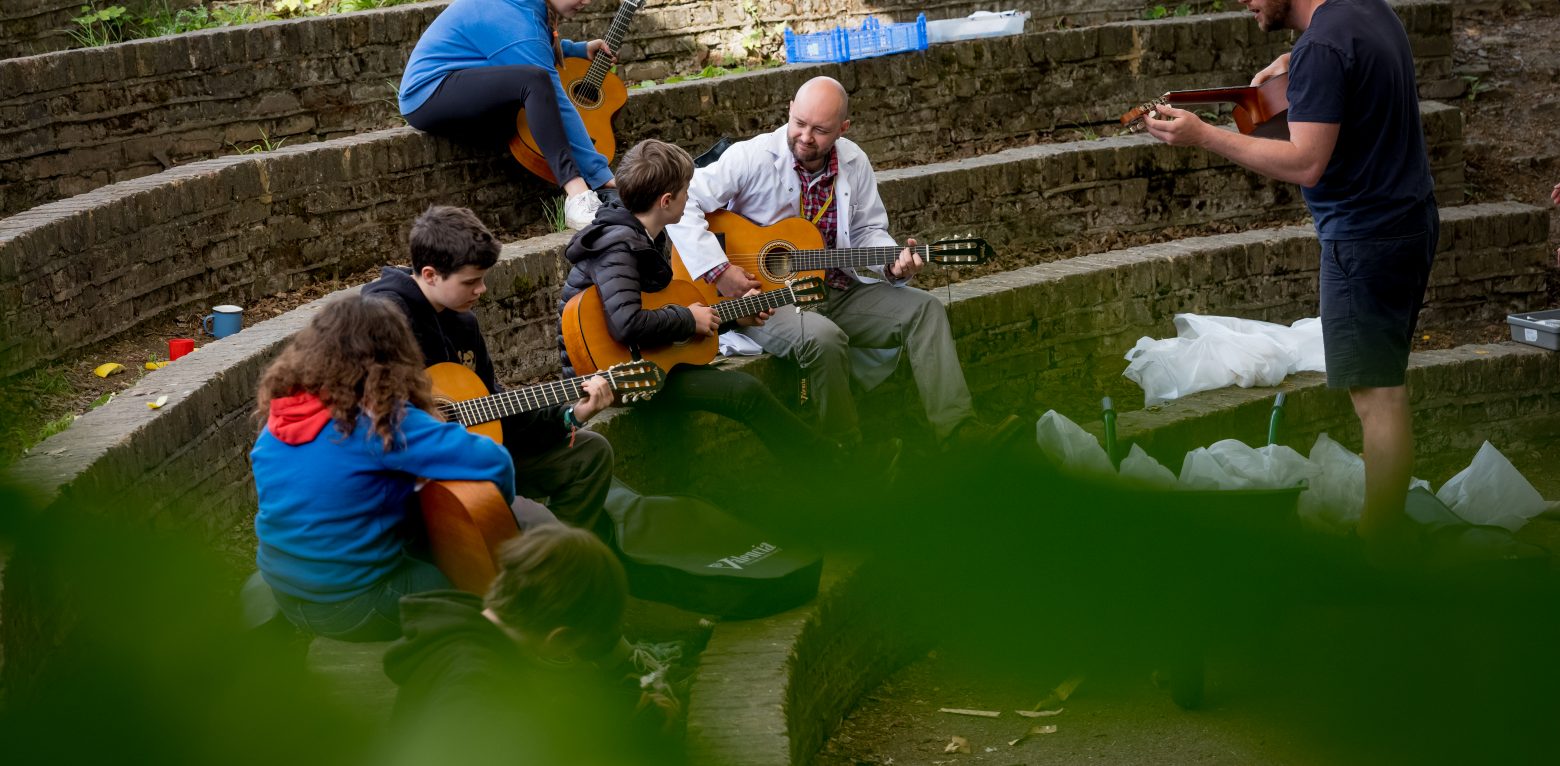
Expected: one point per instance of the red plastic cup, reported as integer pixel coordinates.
(178, 347)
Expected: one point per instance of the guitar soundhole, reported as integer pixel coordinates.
(585, 95)
(776, 263)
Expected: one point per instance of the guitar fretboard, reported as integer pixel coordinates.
(850, 257)
(737, 308)
(485, 409)
(599, 66)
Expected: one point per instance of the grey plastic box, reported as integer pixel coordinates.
(1539, 328)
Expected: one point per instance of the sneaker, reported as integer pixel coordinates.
(580, 209)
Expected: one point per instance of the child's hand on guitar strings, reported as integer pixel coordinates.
(598, 396)
(595, 47)
(705, 321)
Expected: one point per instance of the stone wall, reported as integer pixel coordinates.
(80, 271)
(81, 119)
(36, 26)
(1053, 336)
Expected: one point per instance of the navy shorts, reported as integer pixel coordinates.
(1372, 290)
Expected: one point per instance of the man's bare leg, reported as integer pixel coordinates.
(1389, 463)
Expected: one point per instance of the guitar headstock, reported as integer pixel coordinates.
(809, 291)
(959, 251)
(637, 380)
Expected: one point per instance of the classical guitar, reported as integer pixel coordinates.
(596, 92)
(793, 248)
(460, 396)
(591, 345)
(1260, 110)
(467, 520)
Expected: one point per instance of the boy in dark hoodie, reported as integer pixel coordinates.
(528, 673)
(623, 253)
(451, 254)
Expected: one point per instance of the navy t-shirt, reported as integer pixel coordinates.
(1353, 67)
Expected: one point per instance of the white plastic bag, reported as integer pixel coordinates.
(1231, 464)
(1336, 495)
(1141, 468)
(1492, 491)
(1214, 352)
(1070, 447)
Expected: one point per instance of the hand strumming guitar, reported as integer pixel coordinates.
(735, 281)
(598, 396)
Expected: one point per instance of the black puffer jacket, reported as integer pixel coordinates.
(616, 255)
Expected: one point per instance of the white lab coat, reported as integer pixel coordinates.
(757, 179)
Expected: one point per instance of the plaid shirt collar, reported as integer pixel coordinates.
(817, 192)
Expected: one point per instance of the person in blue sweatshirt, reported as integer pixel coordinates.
(483, 61)
(348, 433)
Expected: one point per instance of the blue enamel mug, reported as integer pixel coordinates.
(223, 321)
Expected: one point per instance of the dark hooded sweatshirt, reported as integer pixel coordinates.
(616, 255)
(466, 687)
(454, 336)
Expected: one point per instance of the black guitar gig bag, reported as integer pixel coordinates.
(683, 551)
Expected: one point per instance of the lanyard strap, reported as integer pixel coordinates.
(801, 203)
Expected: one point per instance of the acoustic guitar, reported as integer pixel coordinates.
(467, 520)
(793, 248)
(596, 92)
(1260, 110)
(460, 397)
(591, 345)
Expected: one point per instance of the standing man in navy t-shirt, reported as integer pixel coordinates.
(1357, 147)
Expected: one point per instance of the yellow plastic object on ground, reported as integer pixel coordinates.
(107, 369)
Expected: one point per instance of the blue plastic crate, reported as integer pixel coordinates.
(839, 45)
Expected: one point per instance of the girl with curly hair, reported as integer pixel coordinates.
(348, 432)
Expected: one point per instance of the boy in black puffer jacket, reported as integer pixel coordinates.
(624, 252)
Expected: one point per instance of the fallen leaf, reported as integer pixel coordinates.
(1039, 713)
(1033, 731)
(156, 365)
(157, 405)
(1480, 351)
(1066, 688)
(965, 711)
(957, 745)
(108, 368)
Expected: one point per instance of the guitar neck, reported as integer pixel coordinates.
(600, 66)
(737, 308)
(851, 257)
(484, 409)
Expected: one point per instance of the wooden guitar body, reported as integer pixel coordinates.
(596, 106)
(591, 346)
(762, 250)
(467, 521)
(455, 383)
